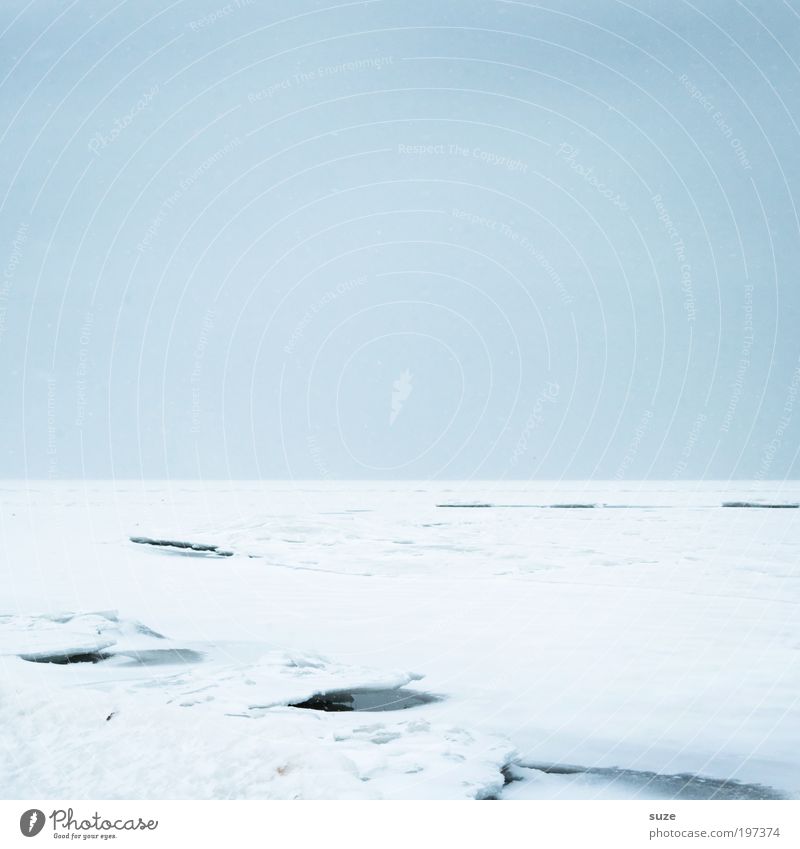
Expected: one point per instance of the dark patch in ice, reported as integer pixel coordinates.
(508, 775)
(557, 769)
(201, 547)
(679, 786)
(64, 658)
(760, 504)
(146, 657)
(578, 505)
(589, 505)
(367, 700)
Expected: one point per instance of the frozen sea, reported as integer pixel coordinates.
(644, 647)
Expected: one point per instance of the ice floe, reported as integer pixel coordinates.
(59, 637)
(659, 637)
(557, 782)
(189, 547)
(214, 720)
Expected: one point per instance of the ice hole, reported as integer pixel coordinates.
(68, 657)
(367, 700)
(658, 785)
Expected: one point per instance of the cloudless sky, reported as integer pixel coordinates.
(400, 239)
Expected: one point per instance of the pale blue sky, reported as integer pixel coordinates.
(400, 239)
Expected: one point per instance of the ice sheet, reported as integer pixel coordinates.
(663, 636)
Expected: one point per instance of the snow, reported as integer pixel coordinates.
(63, 740)
(662, 637)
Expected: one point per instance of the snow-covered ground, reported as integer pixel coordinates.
(659, 636)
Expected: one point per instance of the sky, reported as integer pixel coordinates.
(399, 239)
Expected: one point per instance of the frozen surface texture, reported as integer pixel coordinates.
(656, 634)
